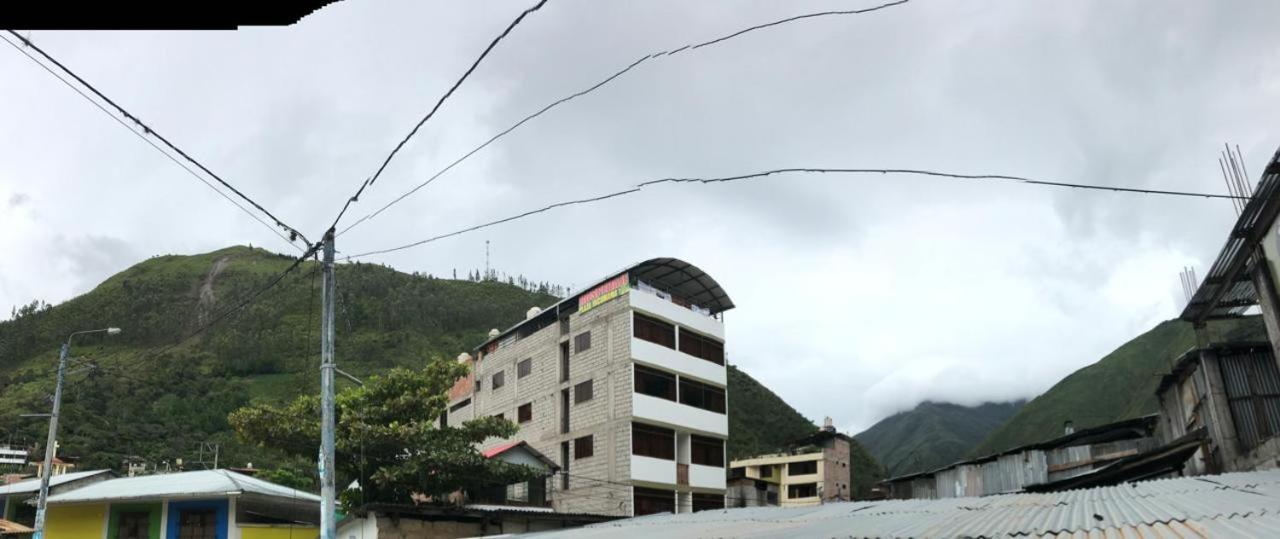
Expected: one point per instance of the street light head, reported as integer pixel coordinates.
(113, 331)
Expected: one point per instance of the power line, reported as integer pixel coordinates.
(755, 175)
(433, 110)
(607, 80)
(294, 233)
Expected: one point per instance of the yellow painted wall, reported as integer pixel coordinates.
(254, 532)
(75, 521)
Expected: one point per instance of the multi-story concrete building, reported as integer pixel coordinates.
(622, 384)
(811, 471)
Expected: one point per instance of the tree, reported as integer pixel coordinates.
(387, 438)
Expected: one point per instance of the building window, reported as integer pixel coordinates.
(648, 501)
(655, 383)
(802, 468)
(651, 441)
(564, 463)
(564, 411)
(564, 326)
(564, 361)
(805, 490)
(582, 342)
(701, 347)
(133, 524)
(582, 392)
(524, 368)
(648, 328)
(703, 502)
(499, 379)
(462, 404)
(202, 524)
(766, 472)
(524, 413)
(583, 447)
(706, 451)
(699, 395)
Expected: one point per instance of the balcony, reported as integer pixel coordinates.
(653, 470)
(676, 415)
(650, 303)
(706, 476)
(678, 362)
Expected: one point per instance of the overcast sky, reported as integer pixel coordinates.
(857, 296)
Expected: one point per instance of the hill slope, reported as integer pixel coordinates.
(159, 402)
(1119, 386)
(933, 434)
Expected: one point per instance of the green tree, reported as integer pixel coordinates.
(387, 437)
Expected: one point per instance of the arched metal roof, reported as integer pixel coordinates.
(685, 280)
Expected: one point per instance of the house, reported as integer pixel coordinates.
(403, 521)
(1232, 390)
(17, 500)
(813, 470)
(213, 504)
(532, 493)
(622, 384)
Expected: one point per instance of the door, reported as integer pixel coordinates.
(199, 524)
(134, 525)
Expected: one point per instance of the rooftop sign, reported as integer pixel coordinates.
(618, 286)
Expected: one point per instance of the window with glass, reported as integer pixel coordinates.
(701, 347)
(652, 441)
(655, 383)
(524, 368)
(656, 331)
(499, 379)
(802, 468)
(706, 451)
(583, 447)
(582, 342)
(700, 395)
(649, 501)
(582, 392)
(524, 413)
(805, 490)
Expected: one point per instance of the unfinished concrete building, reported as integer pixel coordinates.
(623, 385)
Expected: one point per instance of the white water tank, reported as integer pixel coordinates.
(464, 358)
(494, 333)
(532, 312)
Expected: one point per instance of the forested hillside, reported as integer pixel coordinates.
(1119, 386)
(933, 434)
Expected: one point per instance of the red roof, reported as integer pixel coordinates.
(498, 450)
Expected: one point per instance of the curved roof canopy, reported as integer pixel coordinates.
(685, 280)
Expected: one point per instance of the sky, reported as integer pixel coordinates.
(857, 296)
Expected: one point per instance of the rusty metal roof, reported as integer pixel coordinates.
(1229, 505)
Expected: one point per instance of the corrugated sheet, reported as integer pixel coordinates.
(33, 485)
(203, 483)
(1231, 505)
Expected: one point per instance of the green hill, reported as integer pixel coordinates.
(1119, 386)
(933, 434)
(158, 402)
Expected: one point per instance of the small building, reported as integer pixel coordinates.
(18, 500)
(811, 471)
(532, 493)
(1073, 458)
(213, 504)
(622, 384)
(402, 521)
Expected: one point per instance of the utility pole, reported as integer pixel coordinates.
(328, 527)
(486, 260)
(51, 446)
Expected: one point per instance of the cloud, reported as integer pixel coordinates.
(18, 199)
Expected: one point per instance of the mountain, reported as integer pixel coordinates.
(1119, 386)
(159, 401)
(760, 422)
(933, 434)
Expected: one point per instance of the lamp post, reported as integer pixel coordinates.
(50, 446)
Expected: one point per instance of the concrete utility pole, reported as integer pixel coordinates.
(328, 527)
(52, 444)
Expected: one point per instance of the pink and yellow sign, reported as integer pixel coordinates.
(617, 286)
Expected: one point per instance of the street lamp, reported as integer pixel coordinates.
(47, 472)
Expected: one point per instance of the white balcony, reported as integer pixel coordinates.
(706, 476)
(653, 470)
(661, 308)
(679, 416)
(656, 355)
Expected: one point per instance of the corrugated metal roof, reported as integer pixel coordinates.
(33, 485)
(1230, 505)
(203, 483)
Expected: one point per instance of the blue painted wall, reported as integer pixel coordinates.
(176, 509)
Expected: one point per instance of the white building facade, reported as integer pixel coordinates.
(623, 385)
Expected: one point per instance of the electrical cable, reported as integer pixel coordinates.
(755, 175)
(607, 80)
(368, 182)
(148, 130)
